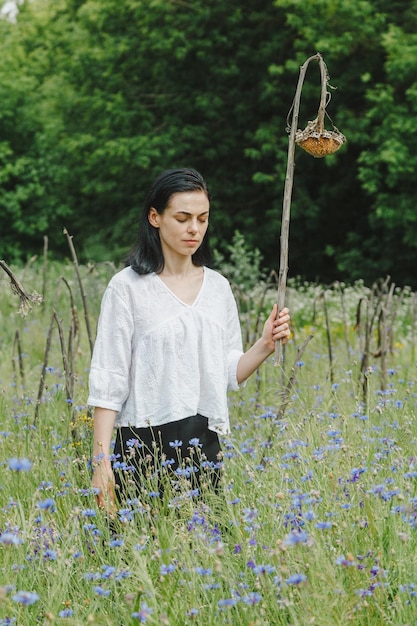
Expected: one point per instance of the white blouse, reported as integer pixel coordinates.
(158, 360)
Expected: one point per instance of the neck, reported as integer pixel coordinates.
(178, 268)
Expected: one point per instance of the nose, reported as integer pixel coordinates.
(192, 226)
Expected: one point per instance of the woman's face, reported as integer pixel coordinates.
(183, 224)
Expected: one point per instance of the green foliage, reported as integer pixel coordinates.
(317, 508)
(244, 267)
(98, 97)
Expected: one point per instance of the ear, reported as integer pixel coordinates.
(153, 217)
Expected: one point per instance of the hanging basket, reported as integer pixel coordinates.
(319, 143)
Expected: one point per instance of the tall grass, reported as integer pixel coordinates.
(316, 519)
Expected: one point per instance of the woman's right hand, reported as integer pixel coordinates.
(103, 480)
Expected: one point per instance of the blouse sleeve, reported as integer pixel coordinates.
(235, 348)
(110, 365)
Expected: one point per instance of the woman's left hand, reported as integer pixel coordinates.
(277, 327)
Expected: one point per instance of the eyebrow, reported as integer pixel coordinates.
(188, 213)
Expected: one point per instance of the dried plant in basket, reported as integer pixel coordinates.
(318, 141)
(315, 140)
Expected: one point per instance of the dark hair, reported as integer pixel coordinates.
(146, 255)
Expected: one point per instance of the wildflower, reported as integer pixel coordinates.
(26, 597)
(20, 465)
(49, 503)
(144, 613)
(10, 539)
(341, 560)
(167, 462)
(101, 592)
(295, 579)
(108, 571)
(263, 569)
(116, 543)
(166, 569)
(203, 571)
(250, 514)
(175, 444)
(49, 555)
(323, 525)
(66, 613)
(123, 466)
(195, 442)
(134, 443)
(252, 598)
(227, 602)
(297, 537)
(88, 513)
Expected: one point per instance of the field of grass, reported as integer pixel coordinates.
(316, 522)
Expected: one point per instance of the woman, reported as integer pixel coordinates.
(168, 344)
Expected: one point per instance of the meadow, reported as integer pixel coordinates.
(316, 520)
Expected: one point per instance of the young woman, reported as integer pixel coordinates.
(168, 344)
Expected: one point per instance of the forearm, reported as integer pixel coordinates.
(252, 359)
(104, 420)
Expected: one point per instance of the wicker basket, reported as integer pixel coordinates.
(319, 143)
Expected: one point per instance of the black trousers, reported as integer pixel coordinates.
(143, 457)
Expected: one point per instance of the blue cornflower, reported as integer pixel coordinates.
(250, 514)
(88, 513)
(296, 579)
(252, 598)
(167, 462)
(116, 543)
(8, 621)
(323, 525)
(263, 569)
(175, 444)
(195, 442)
(49, 503)
(49, 555)
(125, 515)
(227, 602)
(342, 560)
(122, 465)
(203, 571)
(144, 613)
(166, 569)
(10, 539)
(20, 465)
(134, 443)
(26, 597)
(101, 592)
(108, 571)
(92, 576)
(66, 613)
(296, 537)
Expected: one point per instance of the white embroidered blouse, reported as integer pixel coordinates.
(158, 360)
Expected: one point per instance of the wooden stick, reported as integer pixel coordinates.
(289, 177)
(83, 294)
